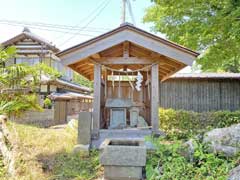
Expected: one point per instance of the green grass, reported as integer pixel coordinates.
(3, 173)
(46, 154)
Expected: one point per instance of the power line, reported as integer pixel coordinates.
(51, 26)
(99, 12)
(52, 30)
(87, 17)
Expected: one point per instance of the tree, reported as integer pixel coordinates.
(19, 84)
(208, 26)
(77, 78)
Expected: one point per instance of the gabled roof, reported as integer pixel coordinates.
(26, 33)
(139, 46)
(127, 32)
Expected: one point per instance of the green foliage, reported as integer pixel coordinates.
(42, 68)
(47, 102)
(184, 124)
(168, 163)
(70, 166)
(17, 80)
(77, 78)
(6, 54)
(209, 26)
(15, 105)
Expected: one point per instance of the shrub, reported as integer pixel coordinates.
(184, 124)
(47, 103)
(167, 163)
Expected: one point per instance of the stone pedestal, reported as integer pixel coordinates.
(84, 133)
(123, 159)
(84, 128)
(134, 114)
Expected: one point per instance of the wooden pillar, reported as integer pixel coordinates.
(97, 100)
(154, 98)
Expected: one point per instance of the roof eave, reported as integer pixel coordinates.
(18, 37)
(129, 27)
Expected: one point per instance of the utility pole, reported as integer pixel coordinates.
(127, 4)
(124, 11)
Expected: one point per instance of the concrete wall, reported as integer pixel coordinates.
(45, 118)
(76, 106)
(200, 95)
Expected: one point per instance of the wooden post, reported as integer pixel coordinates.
(154, 97)
(97, 100)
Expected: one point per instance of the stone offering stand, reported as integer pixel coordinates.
(123, 159)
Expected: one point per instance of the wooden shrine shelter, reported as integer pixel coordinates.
(126, 65)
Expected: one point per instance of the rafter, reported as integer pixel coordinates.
(96, 56)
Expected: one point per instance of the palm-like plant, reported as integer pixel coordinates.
(18, 83)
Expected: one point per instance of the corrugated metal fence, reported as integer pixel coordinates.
(200, 94)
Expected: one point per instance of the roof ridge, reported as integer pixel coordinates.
(128, 26)
(27, 33)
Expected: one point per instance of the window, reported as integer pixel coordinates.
(27, 60)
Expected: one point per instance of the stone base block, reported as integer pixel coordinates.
(120, 152)
(84, 128)
(122, 173)
(82, 149)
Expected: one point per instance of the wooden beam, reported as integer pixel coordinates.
(154, 98)
(112, 52)
(170, 67)
(169, 74)
(96, 101)
(88, 66)
(170, 62)
(87, 71)
(126, 50)
(79, 72)
(81, 65)
(96, 56)
(138, 53)
(164, 70)
(124, 61)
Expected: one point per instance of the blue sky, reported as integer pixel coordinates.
(66, 12)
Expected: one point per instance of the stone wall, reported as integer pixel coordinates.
(45, 118)
(78, 105)
(7, 150)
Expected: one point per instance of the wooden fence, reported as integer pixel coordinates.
(200, 94)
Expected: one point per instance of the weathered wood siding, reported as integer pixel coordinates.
(200, 95)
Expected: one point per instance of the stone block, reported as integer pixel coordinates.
(123, 159)
(134, 114)
(82, 149)
(224, 140)
(118, 118)
(122, 172)
(123, 153)
(84, 128)
(234, 173)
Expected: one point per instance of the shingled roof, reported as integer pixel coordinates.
(26, 33)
